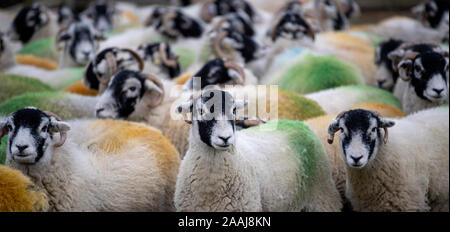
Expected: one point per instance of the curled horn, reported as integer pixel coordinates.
(137, 57)
(386, 135)
(273, 32)
(237, 68)
(112, 65)
(311, 32)
(206, 15)
(218, 48)
(58, 35)
(158, 83)
(48, 17)
(408, 56)
(219, 23)
(334, 127)
(165, 60)
(62, 134)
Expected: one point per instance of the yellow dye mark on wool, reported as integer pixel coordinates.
(130, 16)
(181, 80)
(79, 88)
(349, 42)
(385, 110)
(113, 137)
(36, 62)
(18, 194)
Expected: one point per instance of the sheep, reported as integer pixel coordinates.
(311, 73)
(250, 170)
(13, 85)
(319, 126)
(160, 60)
(90, 166)
(32, 23)
(333, 101)
(424, 81)
(108, 62)
(228, 43)
(148, 99)
(102, 15)
(407, 172)
(19, 194)
(434, 14)
(386, 76)
(78, 43)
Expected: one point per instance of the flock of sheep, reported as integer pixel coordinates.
(224, 105)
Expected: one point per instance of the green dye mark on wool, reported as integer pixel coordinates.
(42, 100)
(305, 143)
(3, 149)
(42, 48)
(68, 77)
(372, 94)
(293, 106)
(187, 57)
(14, 85)
(315, 73)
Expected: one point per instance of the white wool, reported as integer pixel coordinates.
(131, 38)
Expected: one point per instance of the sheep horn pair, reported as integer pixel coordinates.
(238, 69)
(218, 47)
(166, 61)
(205, 14)
(62, 134)
(160, 85)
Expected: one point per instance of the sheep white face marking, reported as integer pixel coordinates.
(436, 88)
(213, 118)
(360, 136)
(383, 77)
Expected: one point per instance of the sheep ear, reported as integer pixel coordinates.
(241, 104)
(332, 129)
(2, 130)
(405, 69)
(385, 124)
(396, 56)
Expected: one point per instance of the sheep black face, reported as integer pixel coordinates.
(292, 26)
(30, 134)
(175, 24)
(228, 38)
(213, 118)
(360, 135)
(386, 76)
(102, 16)
(332, 10)
(213, 8)
(160, 58)
(428, 74)
(27, 22)
(108, 62)
(350, 8)
(217, 72)
(434, 13)
(125, 95)
(80, 41)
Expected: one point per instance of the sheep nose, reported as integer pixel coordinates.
(356, 159)
(225, 139)
(21, 148)
(86, 53)
(438, 91)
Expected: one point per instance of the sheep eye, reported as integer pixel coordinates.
(8, 128)
(374, 129)
(342, 129)
(234, 111)
(132, 89)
